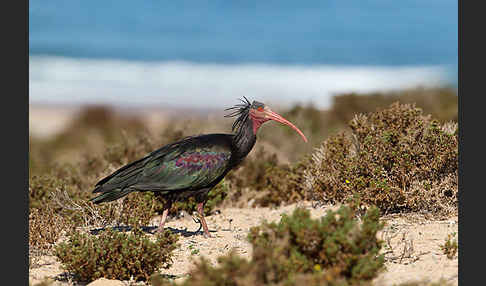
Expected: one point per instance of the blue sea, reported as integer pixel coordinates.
(208, 53)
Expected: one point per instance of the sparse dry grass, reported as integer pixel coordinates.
(45, 229)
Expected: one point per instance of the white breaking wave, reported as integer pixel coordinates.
(183, 84)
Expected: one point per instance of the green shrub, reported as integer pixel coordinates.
(336, 243)
(396, 159)
(283, 184)
(251, 172)
(450, 246)
(137, 209)
(290, 183)
(237, 271)
(335, 250)
(115, 255)
(250, 176)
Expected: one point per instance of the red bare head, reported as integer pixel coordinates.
(259, 114)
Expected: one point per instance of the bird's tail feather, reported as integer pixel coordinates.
(111, 195)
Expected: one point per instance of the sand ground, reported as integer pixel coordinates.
(412, 245)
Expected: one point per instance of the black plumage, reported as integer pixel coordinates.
(191, 166)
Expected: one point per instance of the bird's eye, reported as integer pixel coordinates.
(260, 109)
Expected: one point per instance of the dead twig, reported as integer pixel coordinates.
(90, 214)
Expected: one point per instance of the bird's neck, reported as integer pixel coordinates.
(244, 140)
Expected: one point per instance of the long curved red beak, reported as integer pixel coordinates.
(269, 114)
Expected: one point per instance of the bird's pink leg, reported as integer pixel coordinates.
(203, 221)
(162, 221)
(167, 207)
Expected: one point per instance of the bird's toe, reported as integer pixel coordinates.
(207, 235)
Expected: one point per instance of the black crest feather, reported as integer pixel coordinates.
(242, 111)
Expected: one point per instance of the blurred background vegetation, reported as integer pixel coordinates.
(96, 128)
(100, 139)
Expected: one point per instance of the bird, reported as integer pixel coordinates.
(192, 166)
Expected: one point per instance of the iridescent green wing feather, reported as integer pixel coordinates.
(194, 168)
(190, 164)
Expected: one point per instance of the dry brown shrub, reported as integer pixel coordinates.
(116, 255)
(441, 103)
(252, 170)
(45, 228)
(283, 184)
(262, 181)
(40, 188)
(249, 176)
(396, 159)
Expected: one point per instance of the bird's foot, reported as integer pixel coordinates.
(197, 220)
(160, 228)
(207, 235)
